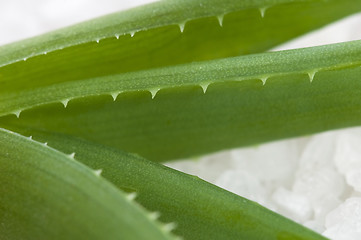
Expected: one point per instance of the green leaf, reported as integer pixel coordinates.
(141, 81)
(73, 54)
(46, 194)
(199, 209)
(250, 99)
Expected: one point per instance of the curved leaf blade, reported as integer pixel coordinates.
(178, 13)
(46, 194)
(73, 54)
(199, 209)
(236, 110)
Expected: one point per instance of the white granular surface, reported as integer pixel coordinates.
(313, 180)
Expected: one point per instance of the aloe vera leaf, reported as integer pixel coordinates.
(46, 194)
(255, 16)
(73, 53)
(199, 209)
(260, 66)
(236, 110)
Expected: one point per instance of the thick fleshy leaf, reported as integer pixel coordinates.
(250, 99)
(46, 194)
(110, 69)
(199, 210)
(106, 46)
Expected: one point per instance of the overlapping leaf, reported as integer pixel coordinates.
(250, 99)
(199, 210)
(116, 77)
(73, 54)
(46, 194)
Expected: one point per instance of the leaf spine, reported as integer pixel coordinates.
(169, 227)
(154, 215)
(131, 196)
(181, 26)
(154, 92)
(204, 86)
(72, 155)
(31, 137)
(65, 102)
(17, 113)
(115, 95)
(25, 59)
(97, 40)
(132, 34)
(117, 36)
(264, 80)
(98, 172)
(311, 74)
(45, 144)
(262, 11)
(220, 20)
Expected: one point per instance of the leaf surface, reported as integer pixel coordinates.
(46, 194)
(105, 46)
(200, 210)
(248, 100)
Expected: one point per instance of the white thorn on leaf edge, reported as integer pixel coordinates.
(204, 86)
(154, 92)
(115, 95)
(220, 20)
(98, 172)
(154, 215)
(72, 155)
(131, 196)
(311, 75)
(65, 102)
(169, 226)
(263, 11)
(181, 27)
(17, 113)
(264, 80)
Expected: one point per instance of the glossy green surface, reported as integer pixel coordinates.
(169, 80)
(199, 209)
(248, 100)
(46, 194)
(72, 55)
